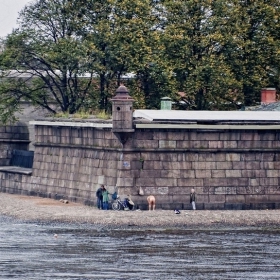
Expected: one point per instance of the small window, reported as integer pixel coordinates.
(118, 108)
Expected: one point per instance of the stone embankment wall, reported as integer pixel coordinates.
(229, 169)
(232, 169)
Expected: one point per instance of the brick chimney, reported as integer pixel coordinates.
(268, 95)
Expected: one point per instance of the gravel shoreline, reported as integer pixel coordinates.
(28, 208)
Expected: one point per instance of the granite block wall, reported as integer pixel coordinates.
(229, 169)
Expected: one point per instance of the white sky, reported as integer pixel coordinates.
(9, 10)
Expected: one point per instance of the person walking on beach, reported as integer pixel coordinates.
(99, 198)
(192, 199)
(105, 197)
(152, 202)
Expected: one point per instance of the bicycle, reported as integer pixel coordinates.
(126, 204)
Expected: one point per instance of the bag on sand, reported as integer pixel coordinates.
(141, 191)
(129, 203)
(176, 211)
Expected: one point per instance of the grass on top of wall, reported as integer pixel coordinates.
(100, 114)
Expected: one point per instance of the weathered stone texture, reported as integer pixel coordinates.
(187, 173)
(230, 144)
(202, 173)
(233, 173)
(190, 182)
(224, 165)
(218, 174)
(226, 168)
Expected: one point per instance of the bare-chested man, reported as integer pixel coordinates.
(152, 202)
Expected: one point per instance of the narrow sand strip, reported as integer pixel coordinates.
(28, 208)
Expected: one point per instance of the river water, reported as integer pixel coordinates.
(74, 251)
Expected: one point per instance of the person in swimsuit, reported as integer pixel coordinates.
(152, 202)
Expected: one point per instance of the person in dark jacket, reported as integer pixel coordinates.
(100, 197)
(192, 199)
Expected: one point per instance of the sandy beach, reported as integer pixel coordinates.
(29, 208)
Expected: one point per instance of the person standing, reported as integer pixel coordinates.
(105, 195)
(152, 202)
(99, 198)
(192, 199)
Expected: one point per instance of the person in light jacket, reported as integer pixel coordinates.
(105, 195)
(192, 199)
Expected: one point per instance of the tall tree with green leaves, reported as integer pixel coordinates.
(49, 52)
(126, 38)
(138, 36)
(253, 51)
(74, 53)
(195, 35)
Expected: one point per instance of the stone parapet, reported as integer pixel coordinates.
(229, 168)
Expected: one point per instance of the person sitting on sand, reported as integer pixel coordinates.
(152, 202)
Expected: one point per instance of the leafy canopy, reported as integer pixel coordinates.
(69, 55)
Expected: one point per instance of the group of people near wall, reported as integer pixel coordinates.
(102, 195)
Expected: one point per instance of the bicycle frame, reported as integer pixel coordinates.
(122, 203)
(119, 204)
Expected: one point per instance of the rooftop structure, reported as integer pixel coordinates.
(207, 117)
(275, 106)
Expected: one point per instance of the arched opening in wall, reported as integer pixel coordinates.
(118, 108)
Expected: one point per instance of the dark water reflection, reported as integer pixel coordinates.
(31, 251)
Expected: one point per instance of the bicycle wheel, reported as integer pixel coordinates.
(116, 206)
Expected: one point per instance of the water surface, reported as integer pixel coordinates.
(71, 251)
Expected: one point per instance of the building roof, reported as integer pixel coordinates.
(275, 106)
(219, 117)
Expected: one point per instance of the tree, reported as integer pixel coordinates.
(126, 37)
(60, 41)
(49, 48)
(195, 33)
(253, 51)
(138, 36)
(74, 53)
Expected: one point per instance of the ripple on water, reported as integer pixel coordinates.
(69, 251)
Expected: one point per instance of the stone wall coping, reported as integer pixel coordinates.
(207, 127)
(163, 125)
(163, 150)
(13, 140)
(71, 124)
(16, 169)
(217, 116)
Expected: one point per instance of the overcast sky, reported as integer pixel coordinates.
(9, 10)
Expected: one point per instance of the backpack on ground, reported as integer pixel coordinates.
(114, 195)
